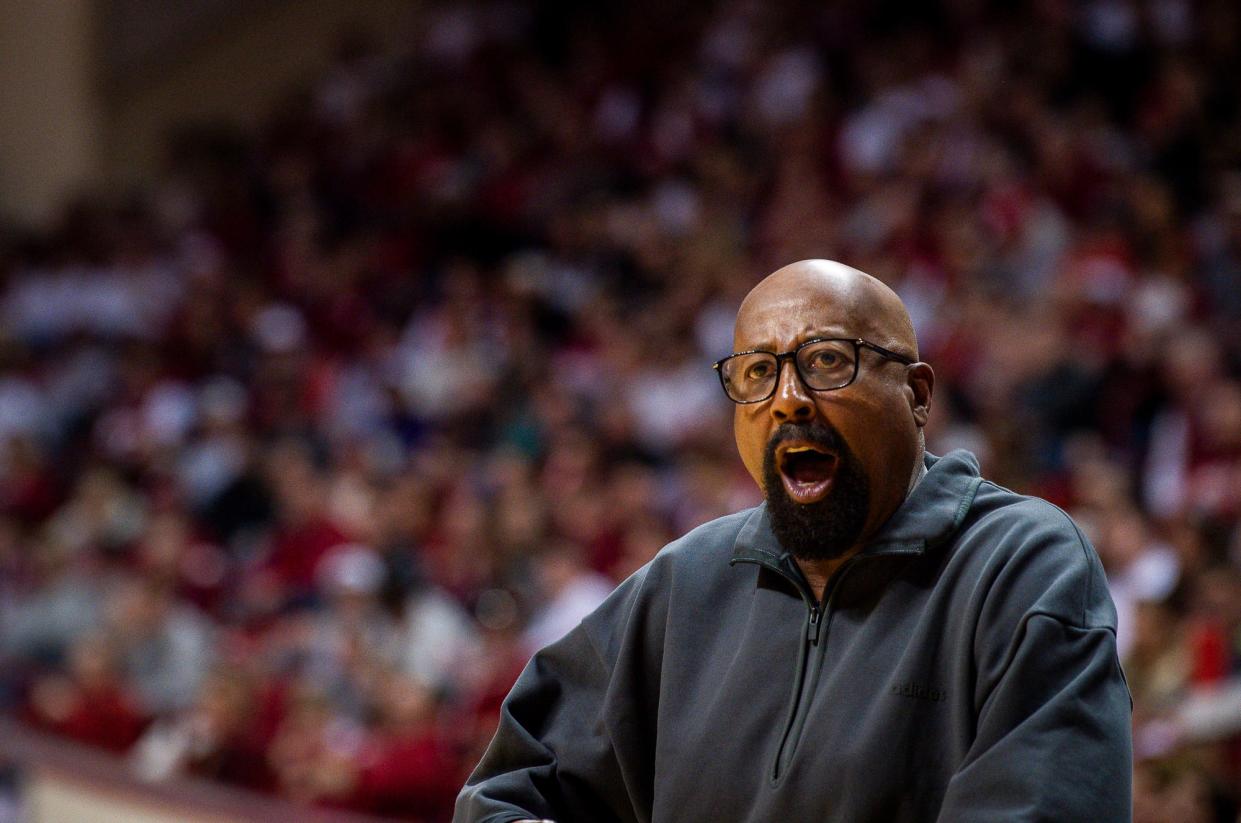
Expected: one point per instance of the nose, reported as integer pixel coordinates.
(791, 402)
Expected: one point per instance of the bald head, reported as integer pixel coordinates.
(861, 305)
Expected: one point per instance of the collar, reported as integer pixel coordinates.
(930, 515)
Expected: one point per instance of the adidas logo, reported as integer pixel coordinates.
(919, 692)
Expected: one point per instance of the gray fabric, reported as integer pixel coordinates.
(965, 670)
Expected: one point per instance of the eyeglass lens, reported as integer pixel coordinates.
(823, 365)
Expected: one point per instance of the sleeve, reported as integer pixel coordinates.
(1053, 736)
(570, 744)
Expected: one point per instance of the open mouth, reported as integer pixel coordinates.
(806, 469)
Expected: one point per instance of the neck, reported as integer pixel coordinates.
(818, 572)
(918, 473)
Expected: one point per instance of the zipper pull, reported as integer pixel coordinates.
(813, 633)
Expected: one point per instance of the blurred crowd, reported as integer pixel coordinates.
(306, 447)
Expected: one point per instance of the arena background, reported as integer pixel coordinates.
(349, 351)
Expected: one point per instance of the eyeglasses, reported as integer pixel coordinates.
(822, 364)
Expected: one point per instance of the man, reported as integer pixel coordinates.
(888, 638)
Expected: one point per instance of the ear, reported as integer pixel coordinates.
(920, 380)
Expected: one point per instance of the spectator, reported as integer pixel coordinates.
(90, 702)
(165, 645)
(216, 737)
(568, 591)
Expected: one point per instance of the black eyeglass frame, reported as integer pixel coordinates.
(858, 345)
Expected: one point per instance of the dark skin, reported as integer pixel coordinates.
(880, 415)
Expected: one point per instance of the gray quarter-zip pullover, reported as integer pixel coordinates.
(962, 667)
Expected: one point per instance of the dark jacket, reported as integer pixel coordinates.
(963, 668)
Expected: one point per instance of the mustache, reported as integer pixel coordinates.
(820, 434)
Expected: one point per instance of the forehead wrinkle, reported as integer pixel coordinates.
(786, 324)
(773, 316)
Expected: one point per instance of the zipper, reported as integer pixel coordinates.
(806, 678)
(818, 623)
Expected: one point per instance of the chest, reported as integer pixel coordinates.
(861, 717)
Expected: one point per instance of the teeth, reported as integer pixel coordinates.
(795, 449)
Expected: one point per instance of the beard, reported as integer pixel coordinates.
(827, 528)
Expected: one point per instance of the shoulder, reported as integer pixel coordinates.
(710, 542)
(1033, 555)
(691, 569)
(1016, 518)
(692, 559)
